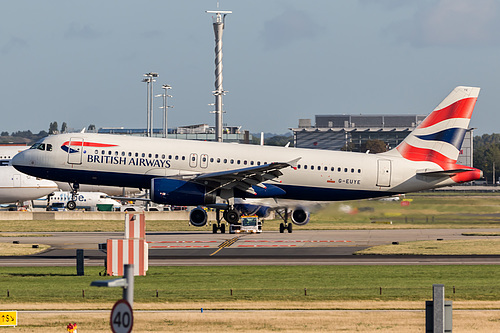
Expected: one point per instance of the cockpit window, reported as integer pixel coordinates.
(49, 147)
(39, 146)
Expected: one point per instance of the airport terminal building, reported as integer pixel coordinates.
(334, 132)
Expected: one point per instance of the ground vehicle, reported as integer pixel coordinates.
(247, 224)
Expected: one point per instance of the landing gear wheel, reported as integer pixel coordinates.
(231, 216)
(71, 205)
(222, 229)
(282, 228)
(214, 228)
(289, 227)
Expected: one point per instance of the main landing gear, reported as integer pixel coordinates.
(219, 226)
(71, 205)
(285, 225)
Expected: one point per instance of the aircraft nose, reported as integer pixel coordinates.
(18, 159)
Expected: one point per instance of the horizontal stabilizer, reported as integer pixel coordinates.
(443, 173)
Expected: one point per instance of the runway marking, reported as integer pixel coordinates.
(166, 242)
(226, 243)
(177, 246)
(289, 245)
(297, 241)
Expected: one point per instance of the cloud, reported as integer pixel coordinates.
(13, 44)
(289, 27)
(451, 23)
(76, 31)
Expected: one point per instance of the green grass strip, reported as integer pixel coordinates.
(255, 283)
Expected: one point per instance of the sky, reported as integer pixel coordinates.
(82, 62)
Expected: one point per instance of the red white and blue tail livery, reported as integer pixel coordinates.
(212, 174)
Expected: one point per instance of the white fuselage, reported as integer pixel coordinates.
(133, 161)
(18, 187)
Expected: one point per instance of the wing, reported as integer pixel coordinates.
(242, 179)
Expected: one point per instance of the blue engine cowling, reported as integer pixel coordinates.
(300, 216)
(179, 193)
(249, 209)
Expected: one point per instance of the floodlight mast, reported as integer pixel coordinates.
(219, 22)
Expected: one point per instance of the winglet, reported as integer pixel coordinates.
(294, 163)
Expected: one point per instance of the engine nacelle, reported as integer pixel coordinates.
(179, 193)
(300, 216)
(198, 217)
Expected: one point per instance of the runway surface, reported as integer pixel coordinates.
(202, 248)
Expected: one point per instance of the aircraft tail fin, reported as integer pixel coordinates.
(439, 137)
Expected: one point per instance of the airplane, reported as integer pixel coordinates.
(16, 187)
(215, 175)
(84, 200)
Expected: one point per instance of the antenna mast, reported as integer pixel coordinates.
(218, 23)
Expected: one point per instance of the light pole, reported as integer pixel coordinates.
(150, 76)
(165, 108)
(147, 80)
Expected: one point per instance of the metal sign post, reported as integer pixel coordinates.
(122, 316)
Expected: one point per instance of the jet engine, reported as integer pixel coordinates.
(300, 216)
(179, 193)
(198, 217)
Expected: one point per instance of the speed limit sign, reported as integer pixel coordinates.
(122, 318)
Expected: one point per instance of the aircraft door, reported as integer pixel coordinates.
(75, 150)
(16, 180)
(204, 161)
(193, 160)
(384, 173)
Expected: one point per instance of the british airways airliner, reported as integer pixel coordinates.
(222, 175)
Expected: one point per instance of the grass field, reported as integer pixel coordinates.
(275, 284)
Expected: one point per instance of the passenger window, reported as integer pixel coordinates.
(162, 156)
(143, 155)
(352, 170)
(319, 168)
(339, 169)
(345, 169)
(169, 157)
(225, 160)
(245, 162)
(258, 162)
(238, 162)
(204, 159)
(218, 160)
(298, 166)
(103, 152)
(156, 155)
(136, 154)
(193, 159)
(326, 168)
(96, 152)
(211, 160)
(251, 162)
(333, 169)
(305, 166)
(359, 170)
(150, 155)
(232, 161)
(312, 167)
(176, 157)
(110, 152)
(183, 158)
(116, 153)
